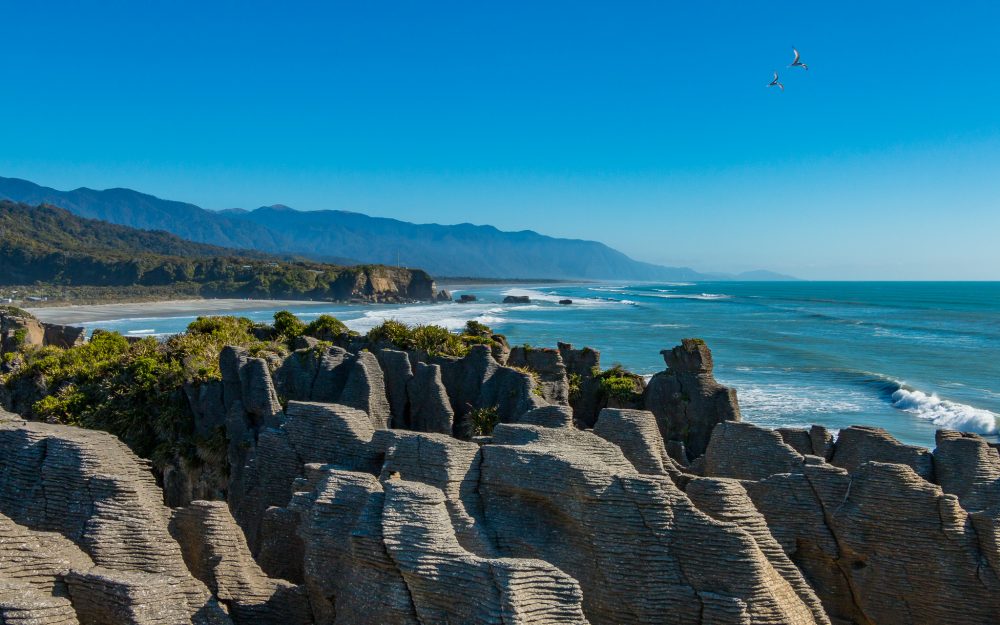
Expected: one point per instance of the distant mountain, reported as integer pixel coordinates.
(49, 247)
(759, 275)
(345, 237)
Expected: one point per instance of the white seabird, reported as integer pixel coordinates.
(798, 61)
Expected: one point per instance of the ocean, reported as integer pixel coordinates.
(910, 357)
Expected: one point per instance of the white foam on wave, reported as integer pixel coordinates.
(697, 296)
(540, 296)
(452, 316)
(145, 331)
(947, 414)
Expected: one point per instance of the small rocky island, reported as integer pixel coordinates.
(413, 476)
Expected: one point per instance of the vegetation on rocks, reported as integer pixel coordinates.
(619, 384)
(434, 340)
(483, 420)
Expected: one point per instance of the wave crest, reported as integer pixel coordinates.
(947, 414)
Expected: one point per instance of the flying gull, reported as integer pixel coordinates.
(775, 83)
(798, 62)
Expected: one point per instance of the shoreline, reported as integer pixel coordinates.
(77, 314)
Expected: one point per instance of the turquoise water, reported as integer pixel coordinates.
(909, 357)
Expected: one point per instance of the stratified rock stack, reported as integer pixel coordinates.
(878, 542)
(354, 500)
(89, 488)
(687, 400)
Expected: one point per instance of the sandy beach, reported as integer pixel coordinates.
(71, 315)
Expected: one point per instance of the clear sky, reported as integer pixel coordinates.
(646, 125)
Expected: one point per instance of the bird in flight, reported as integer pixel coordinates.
(798, 61)
(775, 83)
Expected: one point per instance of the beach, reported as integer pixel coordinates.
(90, 313)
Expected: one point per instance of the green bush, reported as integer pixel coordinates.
(475, 328)
(325, 327)
(395, 332)
(198, 349)
(434, 340)
(288, 325)
(620, 384)
(575, 386)
(14, 311)
(483, 420)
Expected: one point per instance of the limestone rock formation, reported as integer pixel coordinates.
(216, 552)
(615, 510)
(89, 488)
(879, 543)
(686, 399)
(427, 400)
(548, 365)
(859, 444)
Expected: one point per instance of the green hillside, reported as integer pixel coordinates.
(45, 245)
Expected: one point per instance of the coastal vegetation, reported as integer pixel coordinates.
(138, 389)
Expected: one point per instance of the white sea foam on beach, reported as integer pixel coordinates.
(947, 414)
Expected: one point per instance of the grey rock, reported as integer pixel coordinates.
(549, 417)
(548, 365)
(859, 444)
(747, 452)
(365, 390)
(429, 407)
(687, 400)
(216, 552)
(397, 372)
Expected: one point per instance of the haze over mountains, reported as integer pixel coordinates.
(347, 237)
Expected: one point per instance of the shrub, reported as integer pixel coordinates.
(434, 340)
(619, 384)
(325, 327)
(483, 420)
(536, 387)
(198, 349)
(395, 332)
(575, 386)
(475, 328)
(288, 325)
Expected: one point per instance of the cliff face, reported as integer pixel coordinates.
(354, 496)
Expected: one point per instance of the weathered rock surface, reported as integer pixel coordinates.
(548, 365)
(429, 407)
(216, 552)
(879, 543)
(89, 488)
(859, 444)
(527, 489)
(687, 400)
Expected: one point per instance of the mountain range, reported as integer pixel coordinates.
(344, 237)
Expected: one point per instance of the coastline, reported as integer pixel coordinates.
(89, 313)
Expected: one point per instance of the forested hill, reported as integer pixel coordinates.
(335, 235)
(51, 246)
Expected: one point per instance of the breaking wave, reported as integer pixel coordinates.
(945, 413)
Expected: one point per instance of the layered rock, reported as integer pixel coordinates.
(548, 365)
(89, 488)
(879, 543)
(555, 499)
(687, 400)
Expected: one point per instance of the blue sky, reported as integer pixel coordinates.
(645, 125)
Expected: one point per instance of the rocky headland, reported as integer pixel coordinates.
(377, 480)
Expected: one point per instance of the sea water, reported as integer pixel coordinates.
(910, 357)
